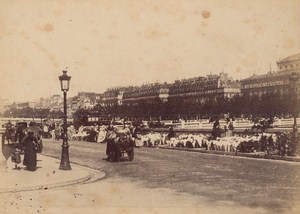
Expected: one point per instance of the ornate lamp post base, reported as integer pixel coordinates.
(65, 163)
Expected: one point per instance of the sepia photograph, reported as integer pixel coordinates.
(150, 106)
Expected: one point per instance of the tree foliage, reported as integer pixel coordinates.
(267, 105)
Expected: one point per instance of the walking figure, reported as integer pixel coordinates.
(30, 151)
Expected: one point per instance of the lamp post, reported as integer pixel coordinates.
(294, 78)
(65, 163)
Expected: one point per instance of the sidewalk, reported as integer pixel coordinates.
(46, 176)
(260, 155)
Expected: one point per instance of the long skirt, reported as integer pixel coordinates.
(30, 157)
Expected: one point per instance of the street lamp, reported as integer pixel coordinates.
(65, 163)
(294, 78)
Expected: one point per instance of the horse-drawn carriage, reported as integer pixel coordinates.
(119, 143)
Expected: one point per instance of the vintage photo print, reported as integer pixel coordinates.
(150, 106)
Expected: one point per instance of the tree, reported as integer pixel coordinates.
(80, 117)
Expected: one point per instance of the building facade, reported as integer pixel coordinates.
(290, 63)
(113, 96)
(276, 82)
(199, 89)
(146, 93)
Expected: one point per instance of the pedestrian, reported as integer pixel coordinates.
(92, 135)
(57, 131)
(109, 139)
(45, 131)
(216, 131)
(29, 144)
(171, 133)
(263, 142)
(101, 134)
(20, 131)
(230, 128)
(137, 137)
(226, 130)
(9, 129)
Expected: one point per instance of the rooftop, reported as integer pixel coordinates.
(291, 58)
(268, 75)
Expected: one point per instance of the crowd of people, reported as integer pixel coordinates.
(221, 138)
(26, 139)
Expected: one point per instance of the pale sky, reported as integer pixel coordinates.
(108, 43)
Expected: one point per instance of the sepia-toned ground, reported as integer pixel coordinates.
(160, 181)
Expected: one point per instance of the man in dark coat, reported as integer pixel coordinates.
(216, 131)
(30, 157)
(171, 133)
(137, 131)
(109, 138)
(9, 130)
(20, 132)
(92, 135)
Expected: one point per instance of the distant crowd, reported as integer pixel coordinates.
(221, 139)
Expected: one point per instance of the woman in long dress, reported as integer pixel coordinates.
(30, 155)
(101, 135)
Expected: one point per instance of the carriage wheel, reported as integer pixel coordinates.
(130, 155)
(118, 156)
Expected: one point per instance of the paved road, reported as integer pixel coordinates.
(254, 183)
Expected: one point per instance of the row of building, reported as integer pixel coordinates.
(55, 102)
(201, 88)
(196, 89)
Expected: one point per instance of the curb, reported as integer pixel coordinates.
(247, 155)
(46, 187)
(93, 175)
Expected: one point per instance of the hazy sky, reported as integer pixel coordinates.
(107, 43)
